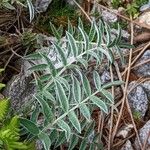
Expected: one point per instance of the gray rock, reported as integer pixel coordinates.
(118, 93)
(127, 146)
(143, 135)
(42, 5)
(144, 18)
(138, 99)
(109, 16)
(125, 34)
(70, 2)
(39, 145)
(145, 7)
(124, 131)
(105, 77)
(146, 86)
(20, 90)
(143, 70)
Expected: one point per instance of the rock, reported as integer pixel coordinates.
(39, 145)
(124, 131)
(143, 70)
(70, 2)
(109, 16)
(1, 96)
(143, 135)
(125, 35)
(141, 37)
(105, 77)
(127, 146)
(145, 7)
(20, 90)
(42, 5)
(138, 99)
(146, 86)
(121, 10)
(145, 18)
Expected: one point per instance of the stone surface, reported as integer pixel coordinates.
(70, 2)
(124, 131)
(138, 99)
(143, 135)
(146, 86)
(39, 145)
(20, 90)
(127, 146)
(109, 16)
(145, 7)
(143, 70)
(105, 77)
(145, 18)
(1, 96)
(125, 35)
(42, 5)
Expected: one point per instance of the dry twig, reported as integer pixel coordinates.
(124, 99)
(112, 113)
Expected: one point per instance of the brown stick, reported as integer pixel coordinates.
(87, 16)
(137, 57)
(112, 112)
(125, 91)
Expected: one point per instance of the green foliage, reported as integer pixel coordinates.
(4, 106)
(116, 3)
(137, 115)
(28, 39)
(11, 5)
(123, 24)
(9, 135)
(132, 8)
(31, 9)
(64, 92)
(60, 9)
(1, 84)
(9, 128)
(58, 13)
(6, 4)
(141, 2)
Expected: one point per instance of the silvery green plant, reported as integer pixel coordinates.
(65, 96)
(9, 4)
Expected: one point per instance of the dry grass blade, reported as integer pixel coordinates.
(137, 57)
(87, 16)
(100, 126)
(112, 112)
(142, 63)
(139, 81)
(124, 99)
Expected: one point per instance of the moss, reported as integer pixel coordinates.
(58, 13)
(123, 24)
(137, 115)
